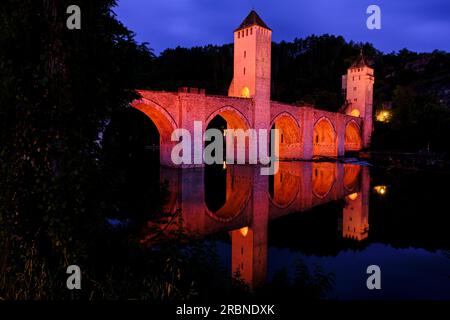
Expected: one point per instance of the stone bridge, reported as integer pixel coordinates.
(305, 132)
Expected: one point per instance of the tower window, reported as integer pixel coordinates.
(246, 32)
(245, 92)
(354, 88)
(239, 34)
(355, 113)
(245, 54)
(244, 71)
(251, 31)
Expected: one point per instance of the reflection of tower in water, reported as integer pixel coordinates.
(249, 243)
(355, 216)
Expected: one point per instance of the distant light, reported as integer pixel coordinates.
(381, 190)
(353, 196)
(224, 132)
(383, 116)
(244, 231)
(224, 165)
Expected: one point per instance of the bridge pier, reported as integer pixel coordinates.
(340, 134)
(307, 126)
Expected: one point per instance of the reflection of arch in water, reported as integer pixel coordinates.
(284, 185)
(290, 138)
(323, 178)
(351, 176)
(324, 138)
(352, 137)
(239, 184)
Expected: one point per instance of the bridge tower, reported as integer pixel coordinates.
(358, 87)
(252, 61)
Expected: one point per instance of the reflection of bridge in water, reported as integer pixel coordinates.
(251, 200)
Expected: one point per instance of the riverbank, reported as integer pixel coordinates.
(408, 161)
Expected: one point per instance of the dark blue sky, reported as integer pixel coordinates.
(419, 25)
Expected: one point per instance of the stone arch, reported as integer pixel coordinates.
(238, 193)
(290, 136)
(234, 118)
(165, 124)
(353, 139)
(323, 178)
(324, 138)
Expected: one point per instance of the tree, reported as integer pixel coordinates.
(58, 88)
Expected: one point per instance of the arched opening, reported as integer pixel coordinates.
(226, 119)
(130, 145)
(227, 187)
(351, 175)
(352, 137)
(216, 174)
(324, 139)
(289, 139)
(165, 126)
(323, 177)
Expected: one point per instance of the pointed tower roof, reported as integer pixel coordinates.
(360, 62)
(253, 19)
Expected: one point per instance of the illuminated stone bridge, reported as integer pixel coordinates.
(305, 132)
